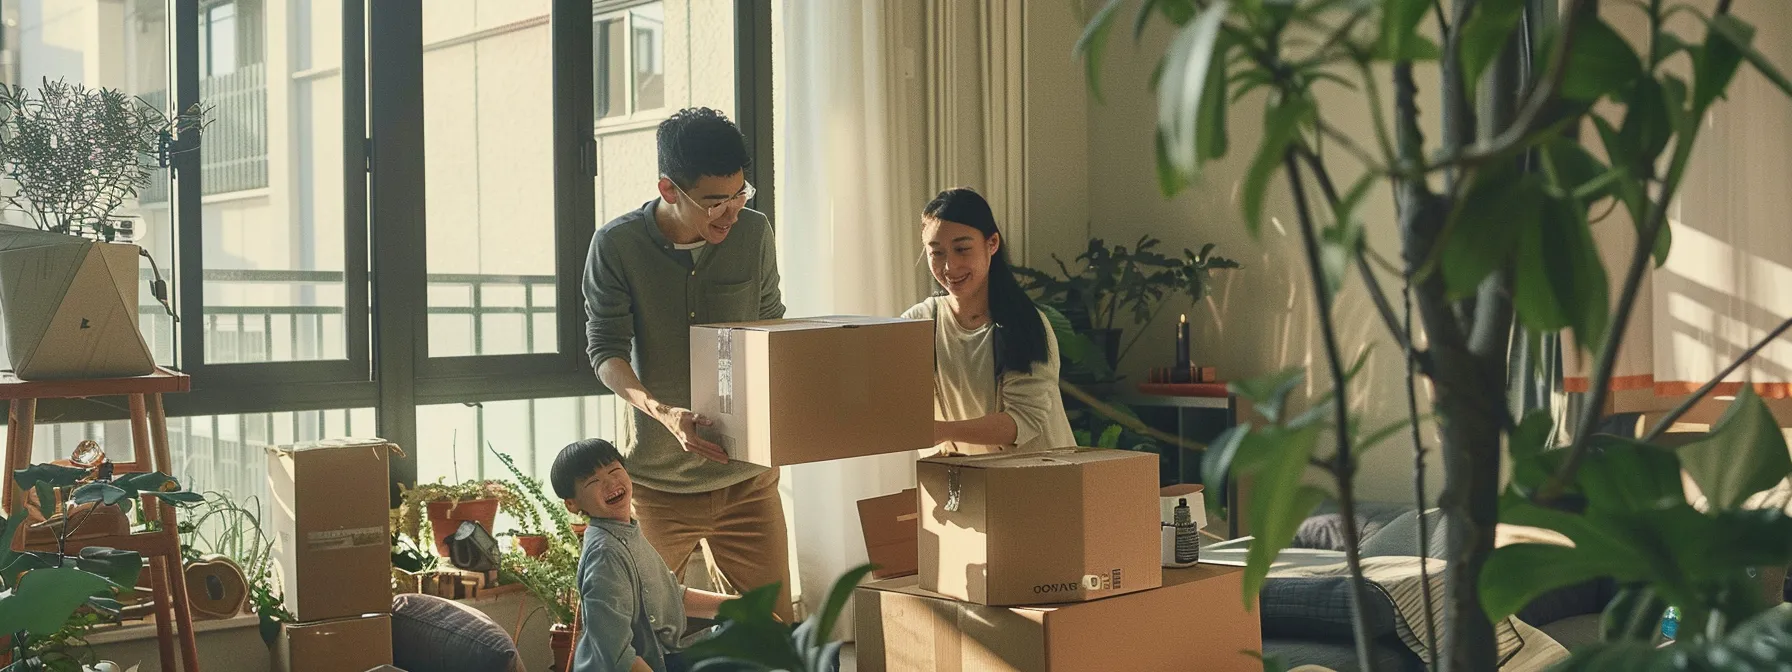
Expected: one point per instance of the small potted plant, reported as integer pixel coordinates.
(448, 505)
(550, 574)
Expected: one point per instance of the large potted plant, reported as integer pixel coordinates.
(73, 157)
(1116, 282)
(48, 599)
(1535, 120)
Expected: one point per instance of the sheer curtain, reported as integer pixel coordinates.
(849, 192)
(1728, 280)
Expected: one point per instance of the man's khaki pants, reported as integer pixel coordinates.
(744, 524)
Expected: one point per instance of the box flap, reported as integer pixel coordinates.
(1047, 458)
(808, 323)
(327, 444)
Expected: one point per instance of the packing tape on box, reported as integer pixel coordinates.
(954, 490)
(725, 370)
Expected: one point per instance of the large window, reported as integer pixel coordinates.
(387, 212)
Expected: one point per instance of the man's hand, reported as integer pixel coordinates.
(683, 424)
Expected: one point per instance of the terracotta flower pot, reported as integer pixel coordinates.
(560, 640)
(533, 545)
(444, 517)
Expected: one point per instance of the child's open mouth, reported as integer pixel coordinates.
(615, 499)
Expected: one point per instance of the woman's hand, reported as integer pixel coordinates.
(942, 432)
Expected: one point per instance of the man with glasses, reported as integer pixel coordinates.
(695, 255)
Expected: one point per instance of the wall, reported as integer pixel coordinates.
(1260, 319)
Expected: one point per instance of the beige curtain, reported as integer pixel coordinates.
(1728, 280)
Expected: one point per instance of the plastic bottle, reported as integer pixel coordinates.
(1188, 537)
(1670, 623)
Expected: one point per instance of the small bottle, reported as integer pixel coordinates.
(1670, 624)
(1188, 537)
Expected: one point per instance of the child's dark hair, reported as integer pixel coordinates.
(699, 141)
(1020, 339)
(577, 461)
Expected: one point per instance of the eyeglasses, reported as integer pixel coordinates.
(736, 201)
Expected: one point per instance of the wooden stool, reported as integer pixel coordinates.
(149, 452)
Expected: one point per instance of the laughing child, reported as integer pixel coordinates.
(633, 607)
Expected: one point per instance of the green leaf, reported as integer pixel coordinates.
(1483, 232)
(1560, 278)
(1519, 573)
(1485, 35)
(1093, 41)
(51, 474)
(1142, 19)
(750, 635)
(1666, 45)
(1170, 180)
(1740, 35)
(837, 597)
(1110, 437)
(1633, 614)
(1216, 462)
(1526, 443)
(1337, 249)
(104, 493)
(1648, 124)
(1621, 475)
(1399, 39)
(119, 567)
(1715, 64)
(1183, 84)
(1279, 502)
(1599, 63)
(1281, 126)
(1374, 438)
(1628, 188)
(1210, 128)
(1745, 454)
(1269, 393)
(45, 598)
(1763, 642)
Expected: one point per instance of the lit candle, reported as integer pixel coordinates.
(1181, 373)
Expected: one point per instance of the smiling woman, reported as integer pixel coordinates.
(996, 377)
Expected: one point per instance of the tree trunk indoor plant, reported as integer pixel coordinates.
(1495, 251)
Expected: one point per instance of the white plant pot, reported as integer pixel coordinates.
(70, 306)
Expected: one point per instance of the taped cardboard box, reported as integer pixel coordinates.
(332, 536)
(360, 643)
(814, 389)
(1196, 621)
(1039, 528)
(892, 526)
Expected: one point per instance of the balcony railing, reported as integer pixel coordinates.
(233, 149)
(284, 316)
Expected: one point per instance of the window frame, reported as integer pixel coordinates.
(385, 312)
(633, 117)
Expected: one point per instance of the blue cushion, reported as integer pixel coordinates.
(431, 633)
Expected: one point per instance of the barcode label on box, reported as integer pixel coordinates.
(336, 540)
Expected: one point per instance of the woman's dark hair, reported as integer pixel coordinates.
(577, 462)
(1020, 334)
(699, 141)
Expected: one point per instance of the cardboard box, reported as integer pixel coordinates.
(892, 527)
(808, 390)
(1038, 528)
(1196, 621)
(332, 536)
(71, 306)
(362, 643)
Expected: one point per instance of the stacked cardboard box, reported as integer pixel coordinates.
(332, 552)
(1043, 562)
(784, 392)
